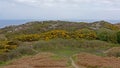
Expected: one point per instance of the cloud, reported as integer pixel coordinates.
(59, 9)
(64, 3)
(69, 3)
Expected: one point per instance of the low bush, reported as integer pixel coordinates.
(84, 34)
(18, 52)
(55, 34)
(118, 37)
(25, 50)
(6, 46)
(28, 38)
(44, 36)
(9, 56)
(107, 35)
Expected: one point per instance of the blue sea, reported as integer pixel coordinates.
(4, 23)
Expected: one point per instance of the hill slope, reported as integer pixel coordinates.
(43, 26)
(59, 37)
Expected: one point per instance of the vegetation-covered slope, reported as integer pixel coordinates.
(59, 37)
(42, 26)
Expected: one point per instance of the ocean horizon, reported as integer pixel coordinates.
(4, 23)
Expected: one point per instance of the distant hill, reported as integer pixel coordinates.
(118, 25)
(42, 26)
(37, 27)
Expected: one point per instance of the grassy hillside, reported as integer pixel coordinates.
(42, 26)
(62, 38)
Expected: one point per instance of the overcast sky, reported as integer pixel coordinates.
(60, 9)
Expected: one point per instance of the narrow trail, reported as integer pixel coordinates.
(74, 65)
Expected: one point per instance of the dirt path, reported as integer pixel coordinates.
(73, 63)
(43, 60)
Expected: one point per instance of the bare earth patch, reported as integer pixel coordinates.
(93, 61)
(44, 60)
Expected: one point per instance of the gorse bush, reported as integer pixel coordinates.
(85, 34)
(55, 34)
(28, 38)
(44, 36)
(5, 46)
(101, 34)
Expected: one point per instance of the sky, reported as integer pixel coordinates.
(60, 9)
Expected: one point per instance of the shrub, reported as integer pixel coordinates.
(28, 38)
(55, 34)
(18, 52)
(12, 43)
(107, 35)
(84, 34)
(9, 56)
(25, 50)
(6, 47)
(111, 26)
(118, 37)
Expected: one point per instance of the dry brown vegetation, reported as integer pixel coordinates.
(115, 51)
(93, 61)
(43, 60)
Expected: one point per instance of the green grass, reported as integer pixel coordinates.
(69, 47)
(60, 47)
(64, 52)
(3, 63)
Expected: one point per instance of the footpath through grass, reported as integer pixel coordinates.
(60, 47)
